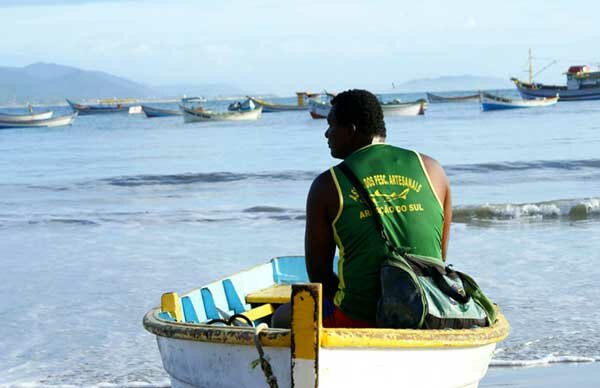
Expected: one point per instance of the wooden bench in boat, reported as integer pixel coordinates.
(276, 294)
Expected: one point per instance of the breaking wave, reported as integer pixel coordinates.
(572, 209)
(550, 359)
(211, 177)
(569, 165)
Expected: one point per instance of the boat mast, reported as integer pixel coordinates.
(530, 68)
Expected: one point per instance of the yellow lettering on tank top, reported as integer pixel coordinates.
(389, 201)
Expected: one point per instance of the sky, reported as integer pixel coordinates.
(281, 47)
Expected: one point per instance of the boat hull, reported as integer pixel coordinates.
(404, 109)
(318, 109)
(528, 91)
(152, 112)
(26, 117)
(433, 98)
(198, 354)
(204, 364)
(269, 107)
(191, 116)
(59, 121)
(98, 109)
(490, 102)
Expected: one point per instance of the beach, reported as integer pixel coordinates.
(98, 219)
(549, 376)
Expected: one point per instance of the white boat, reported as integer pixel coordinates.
(492, 102)
(318, 109)
(51, 122)
(398, 108)
(135, 110)
(191, 115)
(273, 107)
(18, 118)
(196, 353)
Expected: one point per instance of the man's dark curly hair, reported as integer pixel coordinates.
(360, 108)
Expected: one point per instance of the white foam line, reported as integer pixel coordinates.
(543, 361)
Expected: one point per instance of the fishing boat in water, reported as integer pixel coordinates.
(216, 336)
(58, 121)
(493, 102)
(242, 106)
(28, 117)
(399, 108)
(582, 84)
(434, 98)
(267, 106)
(191, 115)
(152, 112)
(105, 107)
(318, 109)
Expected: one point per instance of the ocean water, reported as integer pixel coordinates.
(97, 220)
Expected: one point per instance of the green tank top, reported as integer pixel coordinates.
(412, 214)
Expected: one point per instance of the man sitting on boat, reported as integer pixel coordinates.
(411, 192)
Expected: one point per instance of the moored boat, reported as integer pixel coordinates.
(198, 114)
(152, 112)
(493, 102)
(399, 108)
(273, 107)
(117, 107)
(58, 121)
(582, 84)
(434, 98)
(318, 109)
(19, 118)
(199, 348)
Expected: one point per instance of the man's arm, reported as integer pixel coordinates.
(441, 185)
(319, 246)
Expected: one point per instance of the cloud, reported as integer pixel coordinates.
(470, 24)
(140, 50)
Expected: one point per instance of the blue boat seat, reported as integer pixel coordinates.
(233, 299)
(209, 304)
(189, 312)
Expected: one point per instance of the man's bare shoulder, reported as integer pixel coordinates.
(434, 168)
(323, 194)
(322, 184)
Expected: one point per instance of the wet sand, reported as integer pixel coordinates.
(581, 375)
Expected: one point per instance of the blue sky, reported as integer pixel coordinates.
(283, 46)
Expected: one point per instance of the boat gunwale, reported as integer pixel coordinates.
(330, 337)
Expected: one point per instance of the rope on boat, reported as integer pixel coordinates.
(264, 363)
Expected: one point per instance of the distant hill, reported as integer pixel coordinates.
(452, 83)
(47, 82)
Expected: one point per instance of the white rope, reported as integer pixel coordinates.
(264, 363)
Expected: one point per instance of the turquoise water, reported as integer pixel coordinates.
(99, 219)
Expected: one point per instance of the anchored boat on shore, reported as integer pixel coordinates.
(492, 102)
(200, 349)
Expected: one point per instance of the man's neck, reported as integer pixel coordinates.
(372, 141)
